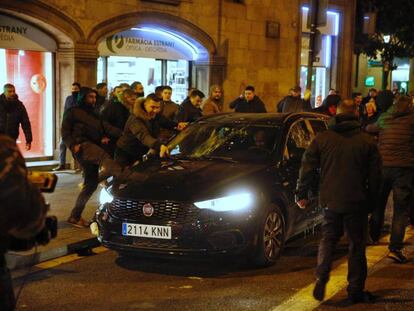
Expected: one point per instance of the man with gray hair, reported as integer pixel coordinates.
(346, 164)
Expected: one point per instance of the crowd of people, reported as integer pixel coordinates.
(369, 144)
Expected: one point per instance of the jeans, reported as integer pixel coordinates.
(400, 181)
(355, 225)
(92, 157)
(62, 153)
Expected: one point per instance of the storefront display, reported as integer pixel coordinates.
(324, 66)
(151, 56)
(26, 61)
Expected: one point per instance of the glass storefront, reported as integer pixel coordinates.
(31, 74)
(150, 55)
(26, 61)
(324, 67)
(150, 72)
(401, 75)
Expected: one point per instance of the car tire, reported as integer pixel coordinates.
(271, 238)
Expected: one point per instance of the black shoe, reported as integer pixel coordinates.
(397, 256)
(319, 290)
(364, 297)
(60, 167)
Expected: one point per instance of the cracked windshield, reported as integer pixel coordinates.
(229, 141)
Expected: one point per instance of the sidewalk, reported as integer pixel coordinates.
(69, 239)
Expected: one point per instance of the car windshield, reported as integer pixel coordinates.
(236, 142)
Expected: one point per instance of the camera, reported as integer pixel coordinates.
(46, 182)
(48, 232)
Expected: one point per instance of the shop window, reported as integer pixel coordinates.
(325, 62)
(31, 74)
(149, 71)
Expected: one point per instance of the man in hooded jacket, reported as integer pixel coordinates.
(88, 137)
(350, 166)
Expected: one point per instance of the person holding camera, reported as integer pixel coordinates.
(23, 213)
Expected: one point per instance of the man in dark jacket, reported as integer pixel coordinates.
(13, 114)
(101, 97)
(87, 136)
(141, 132)
(396, 145)
(191, 111)
(248, 102)
(118, 109)
(71, 101)
(293, 102)
(169, 110)
(350, 167)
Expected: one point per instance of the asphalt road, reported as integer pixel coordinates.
(106, 281)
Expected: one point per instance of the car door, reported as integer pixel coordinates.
(298, 139)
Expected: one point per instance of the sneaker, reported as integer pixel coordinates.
(60, 167)
(319, 290)
(364, 297)
(81, 223)
(397, 256)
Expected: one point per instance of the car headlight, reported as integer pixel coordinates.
(234, 202)
(105, 197)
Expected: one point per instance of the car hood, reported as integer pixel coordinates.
(186, 180)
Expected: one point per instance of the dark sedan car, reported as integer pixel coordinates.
(228, 188)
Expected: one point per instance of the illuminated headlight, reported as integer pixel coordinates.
(105, 197)
(229, 203)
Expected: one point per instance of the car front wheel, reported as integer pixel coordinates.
(271, 239)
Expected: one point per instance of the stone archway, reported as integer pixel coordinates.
(209, 69)
(47, 18)
(65, 32)
(162, 20)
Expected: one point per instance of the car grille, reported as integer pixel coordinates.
(163, 210)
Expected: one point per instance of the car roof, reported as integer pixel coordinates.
(271, 118)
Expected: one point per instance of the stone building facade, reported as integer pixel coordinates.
(240, 42)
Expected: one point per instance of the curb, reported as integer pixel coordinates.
(16, 260)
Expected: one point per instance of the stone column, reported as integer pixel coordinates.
(208, 73)
(86, 56)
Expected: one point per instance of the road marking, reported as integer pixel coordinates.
(68, 258)
(303, 300)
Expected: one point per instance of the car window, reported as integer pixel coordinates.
(240, 142)
(318, 126)
(299, 139)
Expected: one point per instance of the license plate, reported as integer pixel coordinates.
(146, 231)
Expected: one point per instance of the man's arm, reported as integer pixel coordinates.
(27, 127)
(167, 123)
(261, 107)
(308, 171)
(66, 130)
(235, 103)
(112, 131)
(374, 174)
(140, 131)
(182, 114)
